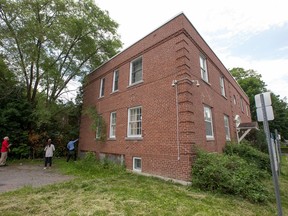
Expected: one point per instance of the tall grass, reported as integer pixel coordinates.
(105, 189)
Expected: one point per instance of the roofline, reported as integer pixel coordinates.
(179, 14)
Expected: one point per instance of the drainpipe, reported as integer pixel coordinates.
(175, 83)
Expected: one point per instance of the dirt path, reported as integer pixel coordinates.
(15, 176)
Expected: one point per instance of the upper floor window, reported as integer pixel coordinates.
(113, 125)
(234, 99)
(242, 105)
(247, 110)
(208, 122)
(203, 67)
(102, 87)
(222, 86)
(227, 129)
(136, 71)
(135, 122)
(115, 80)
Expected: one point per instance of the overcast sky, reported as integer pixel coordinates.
(252, 34)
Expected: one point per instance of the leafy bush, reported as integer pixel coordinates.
(250, 154)
(229, 175)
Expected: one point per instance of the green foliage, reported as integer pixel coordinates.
(252, 84)
(98, 123)
(21, 151)
(229, 175)
(90, 166)
(52, 42)
(257, 139)
(251, 155)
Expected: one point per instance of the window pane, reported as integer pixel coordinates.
(136, 71)
(135, 122)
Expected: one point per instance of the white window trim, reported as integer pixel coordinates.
(247, 110)
(241, 104)
(222, 86)
(114, 76)
(226, 120)
(101, 93)
(130, 75)
(209, 137)
(204, 70)
(128, 125)
(137, 169)
(111, 124)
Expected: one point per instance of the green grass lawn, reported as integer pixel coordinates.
(103, 189)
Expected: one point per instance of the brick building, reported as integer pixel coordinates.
(162, 98)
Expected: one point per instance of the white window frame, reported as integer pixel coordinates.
(203, 68)
(135, 167)
(115, 75)
(133, 122)
(247, 110)
(113, 117)
(102, 87)
(209, 120)
(132, 71)
(227, 128)
(241, 104)
(234, 100)
(222, 86)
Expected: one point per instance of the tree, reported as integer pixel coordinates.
(250, 81)
(48, 43)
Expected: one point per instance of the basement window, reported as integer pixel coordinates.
(137, 164)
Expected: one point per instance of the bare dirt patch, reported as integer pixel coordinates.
(13, 177)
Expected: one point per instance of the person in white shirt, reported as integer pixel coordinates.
(49, 149)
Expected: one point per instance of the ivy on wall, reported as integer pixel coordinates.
(98, 123)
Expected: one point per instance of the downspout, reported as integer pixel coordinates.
(175, 83)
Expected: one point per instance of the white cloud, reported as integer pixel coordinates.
(223, 24)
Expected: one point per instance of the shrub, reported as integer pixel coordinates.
(229, 175)
(250, 154)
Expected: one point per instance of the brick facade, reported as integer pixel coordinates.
(168, 140)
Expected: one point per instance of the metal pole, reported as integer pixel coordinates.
(275, 176)
(279, 150)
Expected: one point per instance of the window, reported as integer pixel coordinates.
(227, 129)
(102, 87)
(113, 125)
(137, 164)
(247, 110)
(203, 66)
(241, 104)
(115, 80)
(222, 86)
(99, 127)
(135, 122)
(208, 122)
(136, 71)
(234, 100)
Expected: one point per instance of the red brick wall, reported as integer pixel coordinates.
(169, 53)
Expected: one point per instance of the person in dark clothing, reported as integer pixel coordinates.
(71, 149)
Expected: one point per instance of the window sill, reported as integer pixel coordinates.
(134, 138)
(210, 138)
(114, 92)
(207, 82)
(112, 139)
(136, 83)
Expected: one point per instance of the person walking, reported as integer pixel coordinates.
(49, 149)
(4, 151)
(71, 150)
